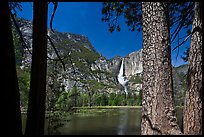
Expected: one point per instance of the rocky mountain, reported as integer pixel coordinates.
(180, 83)
(88, 70)
(133, 63)
(85, 68)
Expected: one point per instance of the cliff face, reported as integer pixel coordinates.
(58, 38)
(133, 63)
(180, 83)
(85, 68)
(132, 68)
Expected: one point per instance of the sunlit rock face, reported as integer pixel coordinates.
(133, 63)
(114, 64)
(100, 64)
(132, 66)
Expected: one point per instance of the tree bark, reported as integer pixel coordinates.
(158, 108)
(11, 113)
(37, 95)
(192, 121)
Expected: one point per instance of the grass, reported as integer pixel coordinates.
(107, 107)
(179, 106)
(97, 110)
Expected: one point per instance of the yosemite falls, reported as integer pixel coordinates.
(122, 79)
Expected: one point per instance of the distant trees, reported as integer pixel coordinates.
(10, 101)
(192, 121)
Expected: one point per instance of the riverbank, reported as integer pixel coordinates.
(106, 107)
(101, 107)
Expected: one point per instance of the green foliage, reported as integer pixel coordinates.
(63, 104)
(83, 99)
(56, 119)
(112, 11)
(136, 79)
(112, 99)
(86, 54)
(24, 85)
(180, 84)
(95, 85)
(23, 75)
(130, 102)
(117, 101)
(180, 16)
(17, 47)
(104, 100)
(76, 55)
(79, 51)
(139, 99)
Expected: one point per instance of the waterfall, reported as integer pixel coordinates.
(122, 79)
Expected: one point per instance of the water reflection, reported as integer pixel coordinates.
(123, 120)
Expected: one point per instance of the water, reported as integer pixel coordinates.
(120, 121)
(122, 79)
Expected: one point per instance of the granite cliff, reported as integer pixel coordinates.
(87, 69)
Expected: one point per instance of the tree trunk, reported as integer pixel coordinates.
(158, 108)
(37, 95)
(192, 121)
(11, 113)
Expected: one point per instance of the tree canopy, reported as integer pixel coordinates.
(180, 15)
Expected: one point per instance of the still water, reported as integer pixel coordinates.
(120, 121)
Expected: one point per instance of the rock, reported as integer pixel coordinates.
(87, 68)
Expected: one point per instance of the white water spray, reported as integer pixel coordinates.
(122, 78)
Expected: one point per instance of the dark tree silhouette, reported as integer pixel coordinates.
(11, 114)
(37, 95)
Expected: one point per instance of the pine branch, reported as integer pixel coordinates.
(196, 29)
(52, 44)
(19, 32)
(52, 17)
(181, 22)
(70, 59)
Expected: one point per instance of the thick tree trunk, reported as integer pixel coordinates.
(192, 121)
(158, 109)
(10, 110)
(37, 95)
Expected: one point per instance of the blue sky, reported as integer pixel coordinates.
(85, 18)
